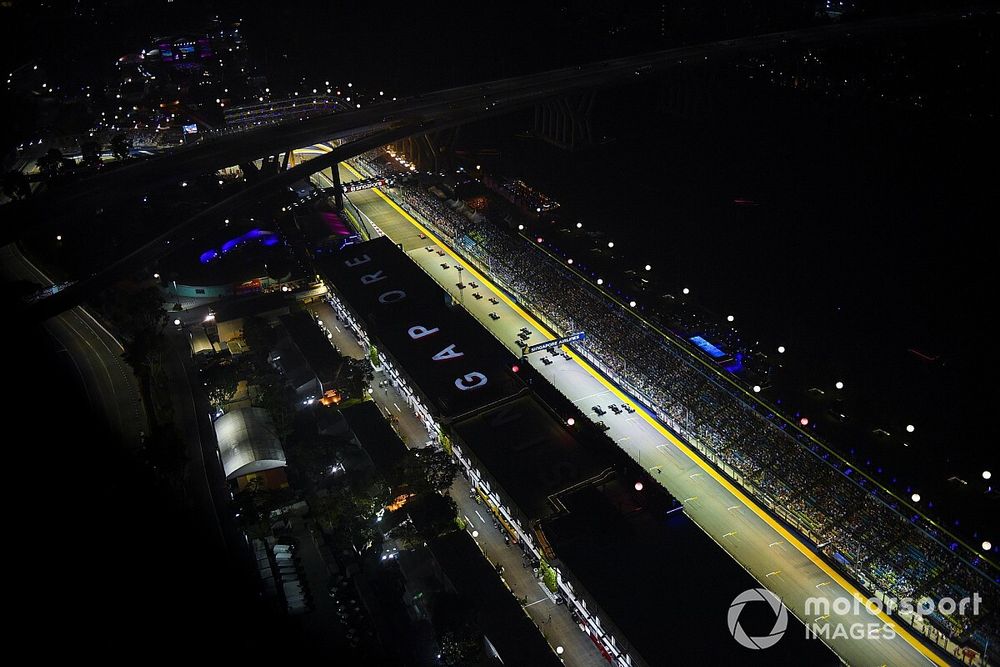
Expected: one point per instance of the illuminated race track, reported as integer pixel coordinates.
(760, 544)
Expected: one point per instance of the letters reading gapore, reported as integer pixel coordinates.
(467, 382)
(473, 380)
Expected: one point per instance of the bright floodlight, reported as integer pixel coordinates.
(570, 421)
(910, 428)
(611, 244)
(177, 323)
(987, 545)
(632, 303)
(59, 237)
(579, 225)
(156, 276)
(781, 349)
(730, 318)
(756, 389)
(649, 268)
(685, 291)
(600, 281)
(638, 486)
(987, 474)
(839, 385)
(520, 228)
(915, 497)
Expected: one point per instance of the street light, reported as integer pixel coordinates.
(631, 303)
(730, 318)
(59, 237)
(638, 486)
(685, 291)
(569, 261)
(781, 349)
(804, 421)
(839, 385)
(987, 545)
(649, 268)
(987, 474)
(579, 225)
(177, 322)
(559, 650)
(570, 421)
(520, 228)
(910, 428)
(156, 276)
(611, 244)
(600, 281)
(756, 389)
(475, 533)
(915, 497)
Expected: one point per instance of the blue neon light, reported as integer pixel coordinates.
(707, 348)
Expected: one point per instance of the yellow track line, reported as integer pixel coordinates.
(729, 486)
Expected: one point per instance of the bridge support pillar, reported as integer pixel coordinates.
(338, 188)
(565, 121)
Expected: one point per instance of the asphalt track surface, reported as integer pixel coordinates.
(95, 354)
(761, 545)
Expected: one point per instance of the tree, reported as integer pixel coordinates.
(223, 380)
(457, 626)
(50, 163)
(91, 152)
(260, 336)
(425, 469)
(120, 146)
(16, 185)
(279, 400)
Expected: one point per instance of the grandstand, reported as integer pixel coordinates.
(864, 531)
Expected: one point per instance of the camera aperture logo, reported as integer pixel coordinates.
(761, 595)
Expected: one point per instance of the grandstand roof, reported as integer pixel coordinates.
(506, 626)
(530, 455)
(247, 442)
(317, 353)
(449, 357)
(638, 565)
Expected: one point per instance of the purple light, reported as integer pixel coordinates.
(266, 238)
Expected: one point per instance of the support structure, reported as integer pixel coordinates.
(565, 121)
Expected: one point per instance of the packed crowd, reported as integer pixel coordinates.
(849, 517)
